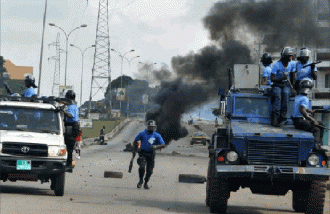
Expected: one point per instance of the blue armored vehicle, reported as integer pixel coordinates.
(248, 152)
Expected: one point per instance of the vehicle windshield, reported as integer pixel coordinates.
(28, 119)
(251, 107)
(198, 134)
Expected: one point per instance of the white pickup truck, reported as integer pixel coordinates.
(32, 144)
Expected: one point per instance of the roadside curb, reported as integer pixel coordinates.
(91, 141)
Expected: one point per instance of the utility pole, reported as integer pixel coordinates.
(101, 73)
(57, 58)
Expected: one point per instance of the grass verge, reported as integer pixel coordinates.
(98, 125)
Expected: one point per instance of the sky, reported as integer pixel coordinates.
(157, 30)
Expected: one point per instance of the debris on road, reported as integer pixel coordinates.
(110, 174)
(191, 178)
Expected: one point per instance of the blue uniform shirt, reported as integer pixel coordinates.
(266, 73)
(148, 140)
(74, 110)
(279, 70)
(300, 100)
(304, 72)
(29, 92)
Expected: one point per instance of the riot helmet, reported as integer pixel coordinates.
(151, 126)
(305, 86)
(304, 54)
(29, 81)
(70, 95)
(266, 59)
(286, 55)
(287, 51)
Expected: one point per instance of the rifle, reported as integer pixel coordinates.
(7, 88)
(313, 63)
(322, 127)
(131, 162)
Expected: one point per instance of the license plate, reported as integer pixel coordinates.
(23, 165)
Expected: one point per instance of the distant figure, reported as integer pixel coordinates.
(102, 135)
(190, 122)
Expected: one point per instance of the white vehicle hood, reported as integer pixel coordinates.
(31, 137)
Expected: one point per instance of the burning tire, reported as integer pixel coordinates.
(110, 174)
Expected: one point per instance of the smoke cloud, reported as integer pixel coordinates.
(288, 21)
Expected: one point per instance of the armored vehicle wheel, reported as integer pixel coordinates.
(210, 171)
(316, 195)
(59, 181)
(219, 195)
(299, 199)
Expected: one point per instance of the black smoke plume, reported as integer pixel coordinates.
(287, 21)
(200, 76)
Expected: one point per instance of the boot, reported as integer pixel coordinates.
(146, 186)
(139, 185)
(275, 120)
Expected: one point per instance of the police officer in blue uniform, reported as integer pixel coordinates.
(281, 90)
(301, 116)
(71, 123)
(266, 61)
(29, 81)
(150, 141)
(309, 72)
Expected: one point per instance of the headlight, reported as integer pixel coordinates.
(55, 151)
(232, 156)
(313, 160)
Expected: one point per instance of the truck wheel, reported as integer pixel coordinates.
(316, 195)
(219, 195)
(299, 199)
(59, 184)
(210, 173)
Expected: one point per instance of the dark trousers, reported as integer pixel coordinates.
(102, 139)
(145, 161)
(69, 148)
(281, 99)
(306, 125)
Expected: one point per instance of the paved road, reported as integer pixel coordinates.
(87, 191)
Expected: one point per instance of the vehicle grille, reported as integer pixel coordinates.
(273, 153)
(39, 150)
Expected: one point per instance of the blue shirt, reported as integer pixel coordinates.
(279, 70)
(74, 111)
(29, 92)
(148, 140)
(266, 73)
(300, 100)
(304, 72)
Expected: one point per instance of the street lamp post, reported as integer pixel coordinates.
(67, 40)
(129, 64)
(121, 77)
(82, 67)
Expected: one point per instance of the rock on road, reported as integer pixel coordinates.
(87, 191)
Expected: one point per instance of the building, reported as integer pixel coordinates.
(17, 72)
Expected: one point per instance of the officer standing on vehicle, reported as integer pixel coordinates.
(302, 110)
(266, 61)
(29, 81)
(307, 72)
(71, 123)
(280, 77)
(150, 141)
